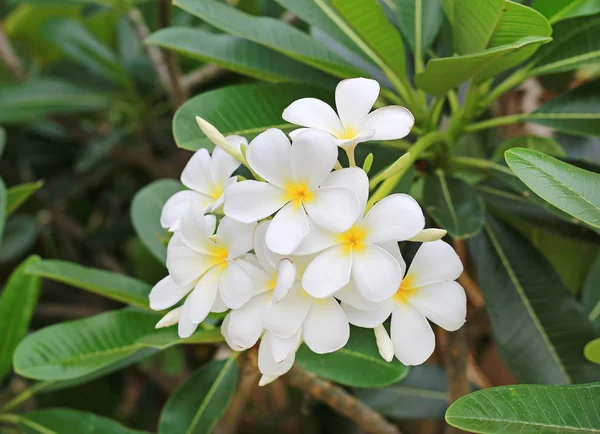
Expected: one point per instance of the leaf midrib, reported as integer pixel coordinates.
(536, 424)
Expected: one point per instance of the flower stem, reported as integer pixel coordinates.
(480, 164)
(350, 153)
(496, 122)
(12, 419)
(25, 395)
(512, 81)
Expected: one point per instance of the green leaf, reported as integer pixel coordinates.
(421, 395)
(73, 39)
(454, 205)
(198, 404)
(528, 409)
(2, 140)
(448, 6)
(358, 364)
(592, 351)
(445, 73)
(63, 420)
(239, 55)
(574, 45)
(77, 348)
(569, 188)
(19, 235)
(3, 203)
(546, 145)
(17, 301)
(35, 100)
(419, 22)
(557, 10)
(576, 111)
(165, 338)
(539, 328)
(105, 283)
(18, 194)
(368, 20)
(590, 294)
(271, 33)
(245, 110)
(146, 207)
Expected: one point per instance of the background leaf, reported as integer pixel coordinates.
(18, 194)
(569, 188)
(164, 338)
(590, 294)
(592, 351)
(62, 420)
(19, 235)
(546, 145)
(105, 283)
(17, 302)
(419, 22)
(3, 210)
(539, 328)
(198, 404)
(526, 408)
(557, 10)
(357, 364)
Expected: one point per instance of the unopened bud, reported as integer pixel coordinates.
(218, 139)
(428, 235)
(395, 168)
(384, 343)
(170, 318)
(267, 379)
(368, 163)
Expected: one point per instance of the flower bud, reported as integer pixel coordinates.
(384, 343)
(428, 235)
(170, 318)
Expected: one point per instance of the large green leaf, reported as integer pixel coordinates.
(271, 33)
(590, 294)
(18, 194)
(105, 283)
(17, 301)
(3, 202)
(576, 111)
(529, 409)
(368, 20)
(539, 328)
(73, 39)
(569, 188)
(77, 348)
(574, 44)
(445, 73)
(529, 141)
(165, 338)
(145, 212)
(454, 205)
(419, 22)
(556, 10)
(422, 394)
(357, 364)
(198, 404)
(35, 100)
(19, 235)
(245, 110)
(63, 420)
(239, 55)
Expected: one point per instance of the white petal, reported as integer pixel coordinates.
(225, 334)
(286, 317)
(354, 179)
(287, 229)
(412, 336)
(211, 223)
(389, 123)
(362, 136)
(170, 319)
(283, 348)
(167, 293)
(267, 379)
(219, 305)
(178, 204)
(266, 258)
(297, 131)
(317, 240)
(196, 174)
(186, 327)
(326, 328)
(245, 323)
(269, 156)
(313, 113)
(334, 208)
(384, 343)
(393, 249)
(328, 272)
(443, 303)
(395, 218)
(195, 233)
(266, 362)
(222, 165)
(350, 295)
(235, 285)
(236, 236)
(313, 156)
(202, 298)
(367, 318)
(251, 201)
(354, 99)
(184, 264)
(375, 272)
(286, 276)
(434, 262)
(262, 281)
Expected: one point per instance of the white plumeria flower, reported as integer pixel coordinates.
(295, 175)
(209, 268)
(354, 99)
(366, 253)
(207, 178)
(428, 291)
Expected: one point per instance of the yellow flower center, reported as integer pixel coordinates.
(353, 238)
(406, 290)
(216, 192)
(298, 193)
(220, 256)
(347, 134)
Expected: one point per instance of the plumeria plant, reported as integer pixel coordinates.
(387, 210)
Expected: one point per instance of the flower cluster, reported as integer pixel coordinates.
(298, 255)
